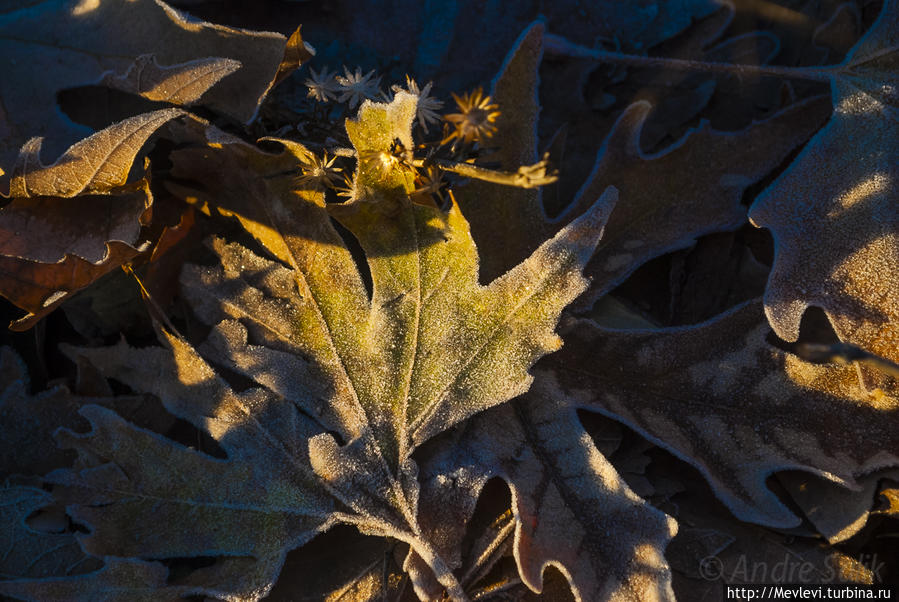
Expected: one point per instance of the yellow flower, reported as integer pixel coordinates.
(475, 120)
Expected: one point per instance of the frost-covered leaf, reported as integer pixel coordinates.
(834, 213)
(45, 229)
(69, 223)
(71, 43)
(720, 397)
(713, 549)
(144, 495)
(118, 581)
(181, 84)
(571, 508)
(95, 165)
(836, 512)
(27, 422)
(381, 374)
(29, 553)
(666, 202)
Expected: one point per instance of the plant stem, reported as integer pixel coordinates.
(527, 176)
(845, 353)
(443, 573)
(559, 46)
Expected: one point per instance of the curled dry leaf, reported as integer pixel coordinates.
(720, 397)
(834, 214)
(75, 44)
(71, 222)
(97, 164)
(348, 385)
(183, 84)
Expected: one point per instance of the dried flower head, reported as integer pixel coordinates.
(348, 190)
(383, 162)
(355, 87)
(475, 120)
(319, 172)
(428, 106)
(429, 183)
(322, 86)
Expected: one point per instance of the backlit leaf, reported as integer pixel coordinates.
(430, 348)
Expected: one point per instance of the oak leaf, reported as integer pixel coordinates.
(33, 553)
(719, 396)
(571, 507)
(665, 202)
(833, 212)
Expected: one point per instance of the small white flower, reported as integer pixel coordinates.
(355, 87)
(427, 105)
(322, 86)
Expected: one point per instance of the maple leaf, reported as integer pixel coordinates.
(348, 385)
(833, 212)
(73, 44)
(732, 405)
(69, 223)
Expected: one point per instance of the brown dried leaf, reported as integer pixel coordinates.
(666, 202)
(834, 214)
(296, 53)
(45, 229)
(39, 288)
(720, 397)
(69, 223)
(71, 45)
(182, 84)
(97, 164)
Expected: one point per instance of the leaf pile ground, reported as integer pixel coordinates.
(600, 305)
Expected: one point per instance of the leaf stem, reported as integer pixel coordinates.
(443, 573)
(559, 46)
